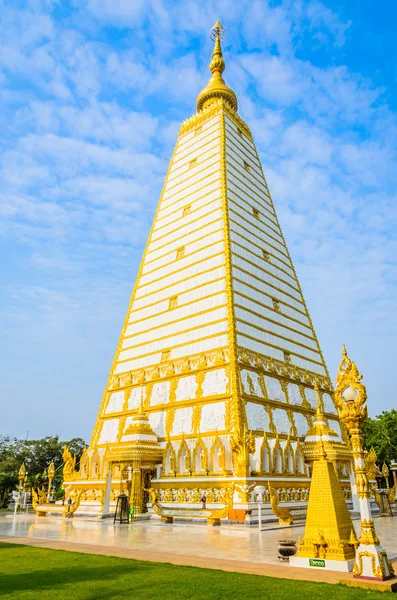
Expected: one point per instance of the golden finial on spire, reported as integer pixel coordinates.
(217, 63)
(216, 87)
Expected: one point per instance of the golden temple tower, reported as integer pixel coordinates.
(217, 339)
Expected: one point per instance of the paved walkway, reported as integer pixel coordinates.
(229, 547)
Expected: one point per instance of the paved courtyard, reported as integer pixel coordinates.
(232, 542)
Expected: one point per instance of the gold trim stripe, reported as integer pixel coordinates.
(193, 153)
(206, 337)
(234, 151)
(181, 217)
(233, 194)
(246, 211)
(217, 188)
(220, 241)
(283, 314)
(276, 335)
(261, 258)
(148, 262)
(253, 234)
(254, 181)
(280, 348)
(267, 283)
(187, 291)
(163, 312)
(255, 225)
(255, 185)
(168, 287)
(193, 173)
(187, 224)
(235, 141)
(252, 287)
(181, 269)
(182, 237)
(267, 206)
(211, 179)
(167, 323)
(185, 145)
(246, 260)
(275, 256)
(265, 318)
(237, 407)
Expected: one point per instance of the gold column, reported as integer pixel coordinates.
(350, 400)
(51, 475)
(22, 473)
(136, 486)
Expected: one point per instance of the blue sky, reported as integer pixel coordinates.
(92, 95)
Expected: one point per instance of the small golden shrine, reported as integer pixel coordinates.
(329, 540)
(142, 454)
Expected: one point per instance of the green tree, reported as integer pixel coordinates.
(36, 455)
(381, 433)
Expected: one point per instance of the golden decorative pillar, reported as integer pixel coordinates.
(136, 487)
(51, 475)
(350, 400)
(22, 474)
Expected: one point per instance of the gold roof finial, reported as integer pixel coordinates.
(216, 87)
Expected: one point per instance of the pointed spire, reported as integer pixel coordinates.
(217, 63)
(216, 87)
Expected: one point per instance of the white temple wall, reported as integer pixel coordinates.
(268, 313)
(188, 141)
(260, 283)
(196, 174)
(194, 246)
(177, 313)
(151, 346)
(183, 263)
(201, 201)
(263, 348)
(246, 218)
(181, 167)
(197, 294)
(174, 278)
(185, 235)
(276, 269)
(237, 193)
(240, 234)
(202, 186)
(272, 328)
(261, 299)
(200, 280)
(260, 273)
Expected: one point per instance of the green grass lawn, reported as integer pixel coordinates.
(37, 573)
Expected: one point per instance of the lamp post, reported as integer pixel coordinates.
(350, 399)
(259, 490)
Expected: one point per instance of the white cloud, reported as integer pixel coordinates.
(90, 117)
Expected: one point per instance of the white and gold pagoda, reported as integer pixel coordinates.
(217, 341)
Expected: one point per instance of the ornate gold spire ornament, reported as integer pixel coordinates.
(350, 400)
(329, 540)
(216, 87)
